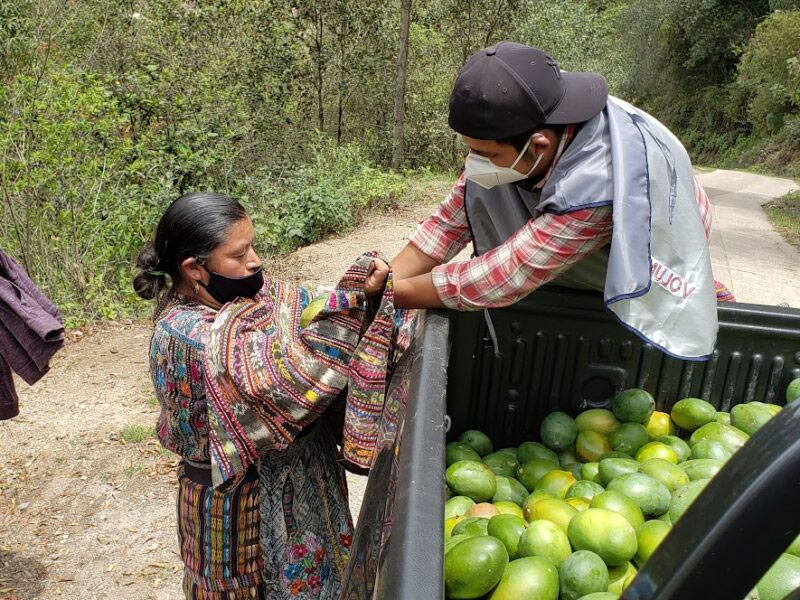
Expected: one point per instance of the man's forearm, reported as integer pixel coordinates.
(416, 292)
(411, 262)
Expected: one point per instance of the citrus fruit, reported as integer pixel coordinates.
(723, 417)
(619, 577)
(794, 547)
(557, 482)
(574, 468)
(793, 391)
(454, 541)
(581, 504)
(512, 452)
(633, 406)
(456, 451)
(582, 573)
(529, 473)
(509, 490)
(450, 523)
(545, 538)
(479, 441)
(471, 526)
(532, 499)
(507, 529)
(657, 450)
(730, 437)
(501, 463)
(584, 489)
(558, 431)
(614, 467)
(710, 449)
(692, 413)
(457, 506)
(681, 448)
(531, 450)
(600, 420)
(312, 310)
(485, 510)
(782, 579)
(701, 468)
(590, 445)
(629, 437)
(591, 471)
(568, 456)
(604, 532)
(555, 510)
(474, 567)
(672, 476)
(471, 479)
(509, 508)
(683, 497)
(620, 503)
(613, 454)
(529, 578)
(750, 417)
(658, 425)
(648, 536)
(650, 495)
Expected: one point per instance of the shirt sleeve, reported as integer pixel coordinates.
(445, 233)
(537, 253)
(704, 206)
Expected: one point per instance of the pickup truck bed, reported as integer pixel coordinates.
(561, 350)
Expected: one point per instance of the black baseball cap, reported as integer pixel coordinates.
(510, 88)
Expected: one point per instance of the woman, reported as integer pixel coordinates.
(204, 245)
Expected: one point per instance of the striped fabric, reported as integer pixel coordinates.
(218, 533)
(268, 379)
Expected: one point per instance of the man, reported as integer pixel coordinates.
(566, 184)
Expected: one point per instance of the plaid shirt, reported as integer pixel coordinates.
(537, 253)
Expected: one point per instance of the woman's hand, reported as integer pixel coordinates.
(376, 277)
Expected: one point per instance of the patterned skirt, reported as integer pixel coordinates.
(306, 528)
(218, 535)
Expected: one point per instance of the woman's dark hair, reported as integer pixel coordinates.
(519, 140)
(193, 225)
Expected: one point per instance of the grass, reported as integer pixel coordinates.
(136, 434)
(784, 214)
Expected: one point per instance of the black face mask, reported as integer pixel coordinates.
(226, 289)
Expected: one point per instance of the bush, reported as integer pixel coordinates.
(770, 73)
(328, 195)
(81, 195)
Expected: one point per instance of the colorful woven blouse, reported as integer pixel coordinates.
(176, 368)
(268, 378)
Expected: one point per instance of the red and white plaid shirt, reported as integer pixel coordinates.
(537, 253)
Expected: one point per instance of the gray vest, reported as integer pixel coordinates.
(656, 273)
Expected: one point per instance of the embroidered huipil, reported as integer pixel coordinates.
(176, 368)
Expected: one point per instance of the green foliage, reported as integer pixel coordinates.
(784, 214)
(109, 110)
(770, 72)
(136, 434)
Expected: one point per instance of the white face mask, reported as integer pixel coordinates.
(487, 174)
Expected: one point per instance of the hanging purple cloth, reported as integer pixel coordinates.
(31, 332)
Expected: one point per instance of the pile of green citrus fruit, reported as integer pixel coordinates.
(573, 516)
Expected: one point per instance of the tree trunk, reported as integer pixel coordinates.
(400, 84)
(320, 67)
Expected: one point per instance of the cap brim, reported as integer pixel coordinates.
(585, 95)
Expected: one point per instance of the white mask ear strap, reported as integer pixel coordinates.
(521, 154)
(535, 164)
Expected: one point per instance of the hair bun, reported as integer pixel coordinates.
(148, 284)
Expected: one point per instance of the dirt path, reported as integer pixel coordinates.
(85, 514)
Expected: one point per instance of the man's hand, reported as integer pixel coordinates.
(376, 277)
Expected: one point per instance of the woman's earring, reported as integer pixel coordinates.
(196, 288)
